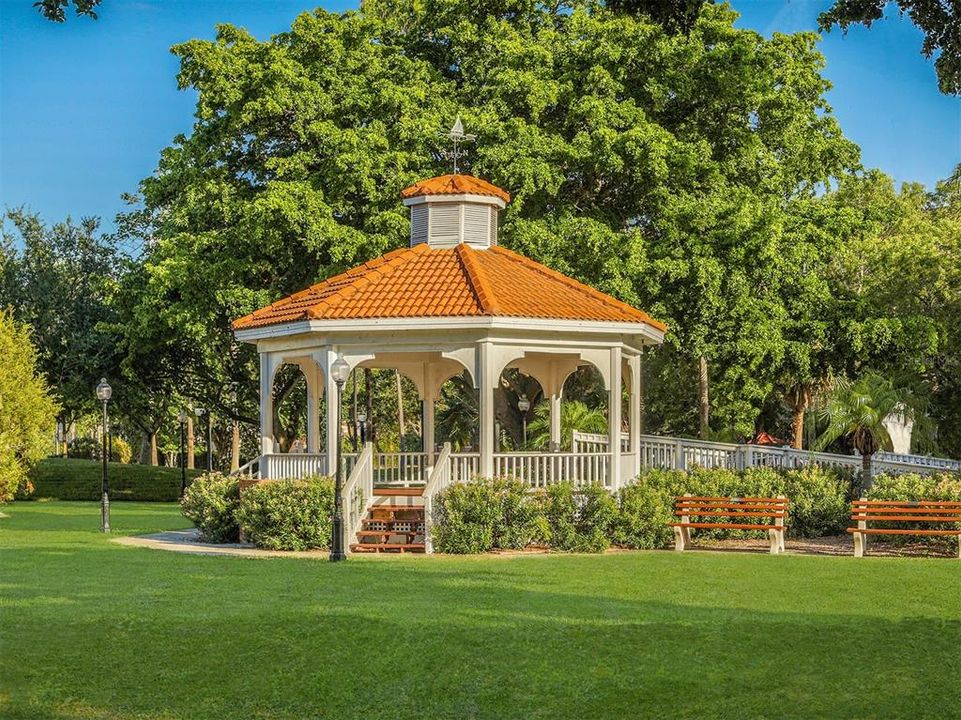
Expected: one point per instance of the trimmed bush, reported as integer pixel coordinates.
(483, 515)
(578, 519)
(211, 504)
(86, 448)
(65, 479)
(288, 514)
(643, 517)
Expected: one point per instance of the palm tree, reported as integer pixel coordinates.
(857, 410)
(457, 412)
(575, 415)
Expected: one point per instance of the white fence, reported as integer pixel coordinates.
(358, 492)
(543, 469)
(683, 453)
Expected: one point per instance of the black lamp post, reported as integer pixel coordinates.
(339, 371)
(104, 392)
(523, 404)
(182, 417)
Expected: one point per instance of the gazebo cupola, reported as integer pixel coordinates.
(452, 209)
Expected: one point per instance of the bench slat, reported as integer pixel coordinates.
(708, 513)
(894, 531)
(735, 526)
(907, 518)
(907, 503)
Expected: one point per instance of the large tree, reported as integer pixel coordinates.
(652, 164)
(61, 280)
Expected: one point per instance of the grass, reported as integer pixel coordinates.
(73, 479)
(91, 629)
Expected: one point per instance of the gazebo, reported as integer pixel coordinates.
(455, 300)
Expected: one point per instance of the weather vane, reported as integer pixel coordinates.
(456, 135)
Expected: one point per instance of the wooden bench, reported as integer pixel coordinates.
(732, 513)
(919, 512)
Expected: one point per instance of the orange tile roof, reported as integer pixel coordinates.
(454, 185)
(423, 282)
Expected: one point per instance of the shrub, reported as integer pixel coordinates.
(578, 519)
(24, 489)
(211, 503)
(87, 448)
(482, 515)
(288, 514)
(819, 501)
(643, 517)
(80, 480)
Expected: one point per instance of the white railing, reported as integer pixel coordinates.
(292, 466)
(583, 442)
(683, 454)
(440, 478)
(358, 492)
(898, 459)
(543, 469)
(463, 466)
(250, 470)
(400, 469)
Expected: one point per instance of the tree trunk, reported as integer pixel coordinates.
(234, 446)
(797, 421)
(703, 399)
(400, 411)
(352, 426)
(190, 440)
(154, 456)
(867, 477)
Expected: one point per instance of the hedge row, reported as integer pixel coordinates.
(68, 479)
(485, 515)
(276, 515)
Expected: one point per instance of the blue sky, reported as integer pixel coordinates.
(86, 107)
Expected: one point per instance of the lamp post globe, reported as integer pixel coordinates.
(182, 417)
(104, 393)
(523, 404)
(339, 372)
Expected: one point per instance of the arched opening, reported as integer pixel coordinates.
(290, 409)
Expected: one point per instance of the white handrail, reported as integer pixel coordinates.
(543, 469)
(249, 470)
(440, 478)
(358, 491)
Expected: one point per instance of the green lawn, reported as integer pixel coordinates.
(91, 629)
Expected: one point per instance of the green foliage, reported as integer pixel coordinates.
(578, 519)
(484, 515)
(939, 21)
(644, 513)
(88, 448)
(288, 514)
(55, 10)
(27, 412)
(211, 503)
(575, 415)
(80, 480)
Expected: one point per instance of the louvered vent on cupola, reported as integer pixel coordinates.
(460, 211)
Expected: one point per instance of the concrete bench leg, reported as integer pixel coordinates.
(777, 541)
(859, 544)
(682, 538)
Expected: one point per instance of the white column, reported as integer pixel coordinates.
(614, 417)
(268, 365)
(555, 400)
(315, 391)
(635, 411)
(485, 384)
(427, 423)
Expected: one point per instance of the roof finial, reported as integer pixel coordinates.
(456, 134)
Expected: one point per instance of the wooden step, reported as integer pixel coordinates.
(399, 492)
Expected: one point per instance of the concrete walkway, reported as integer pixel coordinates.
(188, 541)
